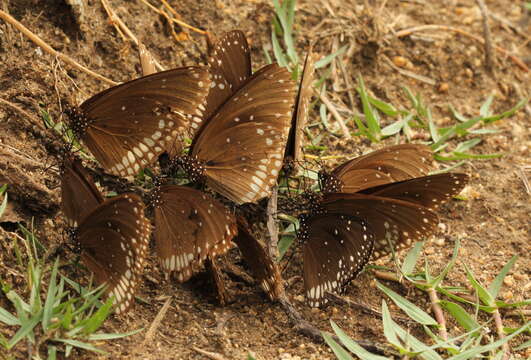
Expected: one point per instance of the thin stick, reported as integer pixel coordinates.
(208, 354)
(410, 74)
(115, 18)
(112, 17)
(329, 157)
(489, 63)
(156, 322)
(501, 334)
(20, 110)
(335, 113)
(525, 180)
(181, 23)
(272, 229)
(37, 40)
(437, 311)
(411, 30)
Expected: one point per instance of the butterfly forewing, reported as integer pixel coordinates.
(393, 163)
(113, 239)
(242, 147)
(264, 270)
(79, 194)
(189, 227)
(336, 248)
(428, 191)
(300, 113)
(230, 65)
(394, 222)
(126, 127)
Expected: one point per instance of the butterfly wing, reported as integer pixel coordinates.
(113, 240)
(129, 125)
(336, 248)
(300, 113)
(242, 147)
(189, 227)
(390, 164)
(428, 191)
(79, 194)
(264, 270)
(394, 222)
(230, 65)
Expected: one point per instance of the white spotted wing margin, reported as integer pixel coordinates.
(394, 222)
(336, 248)
(127, 126)
(242, 146)
(230, 66)
(113, 239)
(190, 226)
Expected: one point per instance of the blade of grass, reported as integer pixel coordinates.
(338, 350)
(353, 346)
(408, 307)
(494, 287)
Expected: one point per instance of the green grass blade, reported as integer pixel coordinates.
(507, 113)
(353, 346)
(98, 318)
(7, 318)
(387, 109)
(25, 330)
(495, 286)
(370, 115)
(339, 351)
(411, 258)
(284, 244)
(50, 297)
(484, 110)
(103, 336)
(277, 50)
(483, 293)
(52, 352)
(459, 313)
(389, 329)
(523, 346)
(81, 345)
(408, 307)
(467, 145)
(475, 351)
(437, 280)
(393, 128)
(321, 63)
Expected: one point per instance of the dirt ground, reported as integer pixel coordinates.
(493, 224)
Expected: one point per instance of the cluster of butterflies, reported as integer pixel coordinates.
(246, 129)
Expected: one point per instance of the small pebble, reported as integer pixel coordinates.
(508, 280)
(443, 87)
(400, 61)
(508, 295)
(439, 241)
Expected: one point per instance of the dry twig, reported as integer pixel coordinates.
(208, 354)
(156, 322)
(336, 115)
(411, 74)
(179, 22)
(487, 42)
(42, 44)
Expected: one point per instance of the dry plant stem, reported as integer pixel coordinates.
(501, 334)
(489, 63)
(409, 31)
(410, 74)
(437, 311)
(336, 115)
(156, 322)
(208, 354)
(383, 275)
(272, 229)
(179, 22)
(116, 20)
(37, 40)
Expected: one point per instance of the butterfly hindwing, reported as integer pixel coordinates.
(189, 227)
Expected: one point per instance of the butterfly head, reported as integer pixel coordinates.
(72, 236)
(77, 120)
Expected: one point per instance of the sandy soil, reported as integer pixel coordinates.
(493, 224)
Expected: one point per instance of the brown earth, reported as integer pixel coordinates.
(493, 224)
